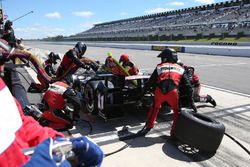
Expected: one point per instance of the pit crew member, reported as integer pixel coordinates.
(195, 82)
(166, 79)
(72, 57)
(128, 64)
(48, 64)
(18, 132)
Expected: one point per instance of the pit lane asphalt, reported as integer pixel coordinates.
(231, 73)
(225, 78)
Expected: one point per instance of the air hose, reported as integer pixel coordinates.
(237, 142)
(133, 136)
(125, 137)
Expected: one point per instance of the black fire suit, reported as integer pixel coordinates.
(69, 59)
(9, 36)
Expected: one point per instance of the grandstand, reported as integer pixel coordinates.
(230, 18)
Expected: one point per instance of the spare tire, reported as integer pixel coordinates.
(199, 131)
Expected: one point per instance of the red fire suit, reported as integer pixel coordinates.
(132, 69)
(195, 82)
(70, 58)
(197, 88)
(166, 78)
(18, 131)
(113, 66)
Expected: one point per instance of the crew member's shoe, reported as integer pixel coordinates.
(211, 100)
(143, 132)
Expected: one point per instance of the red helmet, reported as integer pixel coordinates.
(124, 58)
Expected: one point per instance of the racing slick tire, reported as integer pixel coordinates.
(199, 131)
(90, 98)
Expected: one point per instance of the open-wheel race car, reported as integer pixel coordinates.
(108, 90)
(106, 94)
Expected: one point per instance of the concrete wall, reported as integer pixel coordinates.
(215, 49)
(225, 51)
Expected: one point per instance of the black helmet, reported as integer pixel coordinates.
(169, 55)
(53, 57)
(8, 23)
(80, 48)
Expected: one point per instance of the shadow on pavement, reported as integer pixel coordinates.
(183, 152)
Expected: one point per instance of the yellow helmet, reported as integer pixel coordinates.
(109, 54)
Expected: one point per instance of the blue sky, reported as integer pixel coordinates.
(67, 17)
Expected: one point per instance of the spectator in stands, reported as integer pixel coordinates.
(128, 64)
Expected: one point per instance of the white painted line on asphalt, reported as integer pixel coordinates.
(229, 111)
(246, 115)
(105, 138)
(161, 127)
(212, 87)
(226, 90)
(239, 109)
(219, 65)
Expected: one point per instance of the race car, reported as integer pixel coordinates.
(106, 94)
(108, 90)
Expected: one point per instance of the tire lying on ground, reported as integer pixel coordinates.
(199, 131)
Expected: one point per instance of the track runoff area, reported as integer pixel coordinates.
(224, 78)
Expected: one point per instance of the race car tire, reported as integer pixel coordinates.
(199, 131)
(90, 98)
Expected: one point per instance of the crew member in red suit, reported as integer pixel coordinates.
(49, 70)
(72, 57)
(113, 66)
(195, 82)
(48, 64)
(128, 64)
(166, 79)
(18, 132)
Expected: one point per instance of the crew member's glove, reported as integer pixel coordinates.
(88, 153)
(93, 66)
(43, 157)
(85, 66)
(143, 132)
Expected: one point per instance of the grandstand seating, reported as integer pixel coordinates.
(230, 17)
